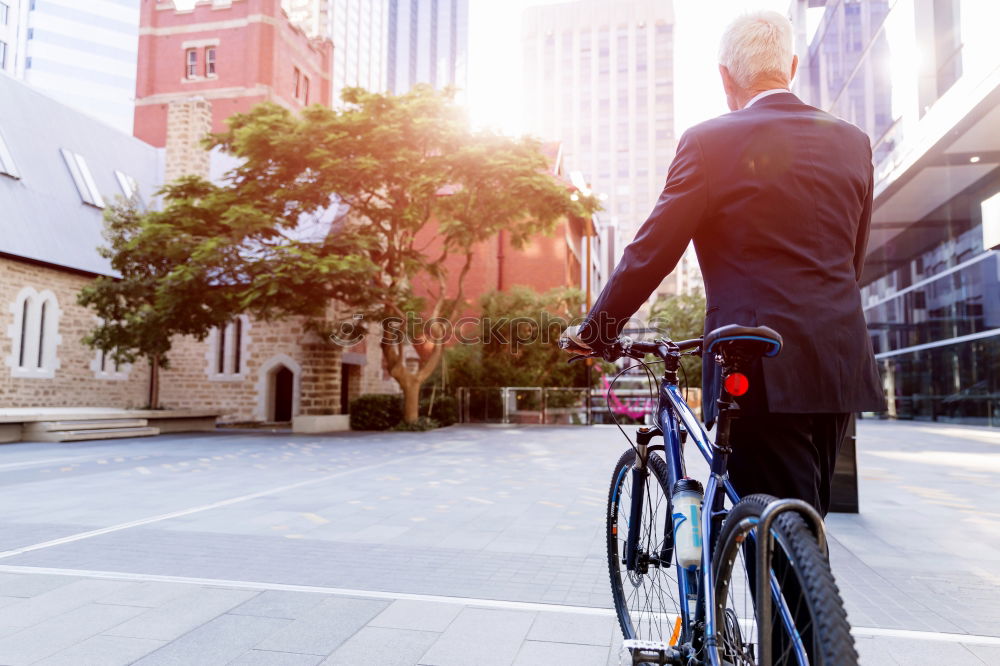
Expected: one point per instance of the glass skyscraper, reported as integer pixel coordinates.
(923, 80)
(80, 53)
(599, 77)
(359, 32)
(428, 42)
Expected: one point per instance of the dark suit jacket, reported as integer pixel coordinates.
(778, 200)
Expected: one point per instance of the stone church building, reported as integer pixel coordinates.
(58, 170)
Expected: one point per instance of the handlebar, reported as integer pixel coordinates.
(637, 349)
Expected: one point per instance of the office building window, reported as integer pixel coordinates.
(191, 66)
(7, 166)
(3, 54)
(210, 61)
(298, 82)
(82, 178)
(305, 90)
(4, 13)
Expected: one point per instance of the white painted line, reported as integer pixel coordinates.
(49, 461)
(370, 594)
(206, 507)
(908, 634)
(864, 632)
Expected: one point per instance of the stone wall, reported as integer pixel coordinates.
(74, 380)
(188, 122)
(192, 380)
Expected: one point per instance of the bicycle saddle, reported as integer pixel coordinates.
(735, 332)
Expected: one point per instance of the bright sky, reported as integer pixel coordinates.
(495, 58)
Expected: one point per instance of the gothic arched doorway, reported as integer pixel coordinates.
(283, 394)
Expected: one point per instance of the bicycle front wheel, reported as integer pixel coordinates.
(821, 634)
(646, 598)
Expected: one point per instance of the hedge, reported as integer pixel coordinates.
(376, 412)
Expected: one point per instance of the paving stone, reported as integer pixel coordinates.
(325, 627)
(216, 642)
(30, 585)
(537, 653)
(417, 615)
(280, 603)
(103, 651)
(56, 634)
(907, 652)
(889, 577)
(148, 594)
(379, 646)
(990, 654)
(266, 658)
(77, 593)
(482, 637)
(181, 615)
(573, 628)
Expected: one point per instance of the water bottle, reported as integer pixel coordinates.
(686, 501)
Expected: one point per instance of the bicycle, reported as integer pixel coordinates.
(793, 613)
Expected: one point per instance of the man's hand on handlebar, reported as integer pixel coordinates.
(571, 342)
(626, 346)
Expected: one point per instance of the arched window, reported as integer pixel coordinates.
(34, 334)
(227, 350)
(105, 366)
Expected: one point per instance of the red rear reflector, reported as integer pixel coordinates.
(737, 384)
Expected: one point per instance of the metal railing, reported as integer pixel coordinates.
(546, 405)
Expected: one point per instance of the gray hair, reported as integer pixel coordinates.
(757, 44)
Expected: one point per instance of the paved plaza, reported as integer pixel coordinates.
(462, 546)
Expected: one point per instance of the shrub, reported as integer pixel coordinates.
(376, 412)
(422, 424)
(444, 411)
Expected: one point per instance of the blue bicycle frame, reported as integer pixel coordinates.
(673, 414)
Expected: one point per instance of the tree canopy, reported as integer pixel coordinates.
(402, 184)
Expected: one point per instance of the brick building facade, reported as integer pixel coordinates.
(232, 53)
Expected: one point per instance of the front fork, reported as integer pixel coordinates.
(640, 471)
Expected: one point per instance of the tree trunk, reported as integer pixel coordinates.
(411, 400)
(154, 382)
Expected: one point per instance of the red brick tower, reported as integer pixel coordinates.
(232, 53)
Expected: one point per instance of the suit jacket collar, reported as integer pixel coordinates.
(774, 100)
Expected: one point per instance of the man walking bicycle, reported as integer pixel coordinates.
(777, 196)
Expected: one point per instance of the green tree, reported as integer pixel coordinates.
(200, 261)
(422, 189)
(681, 317)
(517, 332)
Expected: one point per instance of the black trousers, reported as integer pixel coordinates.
(786, 455)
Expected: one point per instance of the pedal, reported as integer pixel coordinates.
(651, 652)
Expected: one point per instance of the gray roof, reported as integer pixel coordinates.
(42, 216)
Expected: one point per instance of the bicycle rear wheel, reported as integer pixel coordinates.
(803, 575)
(646, 599)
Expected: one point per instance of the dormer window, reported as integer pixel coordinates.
(7, 166)
(82, 178)
(129, 187)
